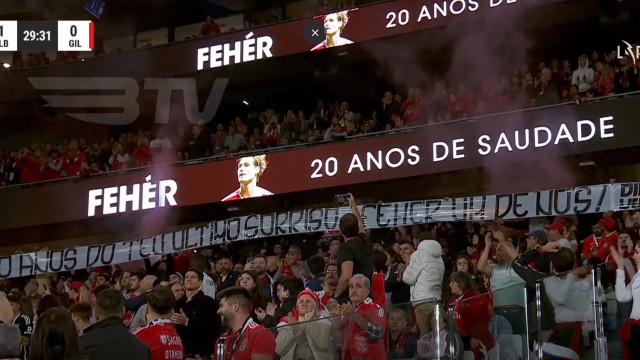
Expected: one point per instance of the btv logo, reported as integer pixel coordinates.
(632, 51)
(76, 95)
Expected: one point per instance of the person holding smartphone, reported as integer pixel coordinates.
(355, 254)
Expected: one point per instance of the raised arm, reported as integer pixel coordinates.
(483, 262)
(521, 264)
(356, 212)
(623, 291)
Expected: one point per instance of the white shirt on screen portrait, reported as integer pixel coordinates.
(257, 192)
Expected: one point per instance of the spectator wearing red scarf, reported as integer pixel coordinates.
(294, 266)
(402, 342)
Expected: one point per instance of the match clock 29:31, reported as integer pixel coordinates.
(35, 35)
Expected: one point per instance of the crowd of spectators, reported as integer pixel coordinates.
(367, 293)
(548, 84)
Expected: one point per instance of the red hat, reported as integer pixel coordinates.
(311, 293)
(76, 285)
(315, 298)
(608, 223)
(555, 226)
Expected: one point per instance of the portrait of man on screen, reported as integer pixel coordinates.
(334, 25)
(249, 171)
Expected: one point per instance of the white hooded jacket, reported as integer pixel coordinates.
(425, 273)
(583, 77)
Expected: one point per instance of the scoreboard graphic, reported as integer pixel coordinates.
(47, 35)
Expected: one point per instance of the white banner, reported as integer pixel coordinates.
(577, 200)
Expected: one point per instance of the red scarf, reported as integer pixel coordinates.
(287, 270)
(625, 335)
(403, 340)
(319, 306)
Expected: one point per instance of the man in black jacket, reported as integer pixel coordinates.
(400, 292)
(195, 318)
(227, 276)
(522, 265)
(108, 338)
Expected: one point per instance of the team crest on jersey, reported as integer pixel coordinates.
(361, 344)
(243, 346)
(163, 338)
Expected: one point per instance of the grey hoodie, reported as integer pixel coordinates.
(583, 77)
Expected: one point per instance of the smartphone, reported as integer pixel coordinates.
(250, 259)
(342, 199)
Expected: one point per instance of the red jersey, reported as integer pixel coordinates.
(602, 244)
(72, 165)
(142, 155)
(210, 29)
(30, 168)
(412, 111)
(50, 171)
(181, 261)
(358, 344)
(252, 339)
(163, 340)
(324, 297)
(287, 270)
(379, 293)
(471, 312)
